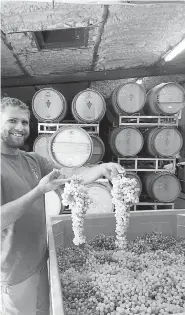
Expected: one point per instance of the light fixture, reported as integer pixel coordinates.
(175, 51)
(139, 81)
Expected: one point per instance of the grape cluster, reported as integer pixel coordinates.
(78, 293)
(124, 195)
(99, 279)
(101, 241)
(75, 195)
(151, 242)
(70, 257)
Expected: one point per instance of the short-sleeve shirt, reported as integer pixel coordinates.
(23, 243)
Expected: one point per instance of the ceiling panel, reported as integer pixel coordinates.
(120, 36)
(139, 35)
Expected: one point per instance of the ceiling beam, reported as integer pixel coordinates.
(117, 74)
(9, 46)
(99, 36)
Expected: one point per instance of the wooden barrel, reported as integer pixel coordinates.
(88, 106)
(100, 194)
(164, 141)
(126, 141)
(41, 145)
(165, 99)
(53, 203)
(98, 150)
(70, 146)
(49, 105)
(128, 98)
(162, 187)
(181, 171)
(133, 175)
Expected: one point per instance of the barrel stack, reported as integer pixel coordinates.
(144, 137)
(48, 106)
(126, 140)
(72, 144)
(89, 107)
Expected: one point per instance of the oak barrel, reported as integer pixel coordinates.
(128, 98)
(165, 99)
(162, 187)
(163, 141)
(100, 194)
(53, 203)
(70, 146)
(126, 141)
(98, 150)
(49, 105)
(88, 106)
(41, 145)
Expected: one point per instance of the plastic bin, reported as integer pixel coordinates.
(169, 222)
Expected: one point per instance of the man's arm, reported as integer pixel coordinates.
(89, 175)
(12, 211)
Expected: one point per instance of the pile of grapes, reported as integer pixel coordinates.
(147, 279)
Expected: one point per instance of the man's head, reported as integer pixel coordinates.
(15, 116)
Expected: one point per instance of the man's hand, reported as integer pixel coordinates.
(110, 170)
(90, 175)
(52, 181)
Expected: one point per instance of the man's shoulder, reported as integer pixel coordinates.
(45, 165)
(33, 156)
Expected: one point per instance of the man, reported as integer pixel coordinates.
(25, 178)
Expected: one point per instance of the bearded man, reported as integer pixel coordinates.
(25, 178)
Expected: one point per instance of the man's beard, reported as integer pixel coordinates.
(8, 141)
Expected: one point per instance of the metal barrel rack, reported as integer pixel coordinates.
(145, 163)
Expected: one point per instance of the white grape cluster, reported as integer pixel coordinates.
(76, 196)
(124, 195)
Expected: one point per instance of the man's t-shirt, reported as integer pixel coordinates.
(23, 243)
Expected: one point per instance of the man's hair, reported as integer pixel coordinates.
(14, 102)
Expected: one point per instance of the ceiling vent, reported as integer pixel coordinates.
(64, 38)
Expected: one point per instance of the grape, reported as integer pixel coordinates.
(148, 278)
